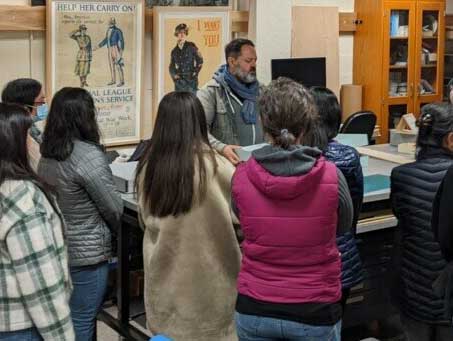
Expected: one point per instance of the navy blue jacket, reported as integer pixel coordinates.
(347, 160)
(116, 38)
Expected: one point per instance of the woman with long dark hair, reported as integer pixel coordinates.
(190, 251)
(347, 160)
(420, 262)
(35, 287)
(29, 93)
(74, 163)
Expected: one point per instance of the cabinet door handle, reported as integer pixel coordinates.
(411, 90)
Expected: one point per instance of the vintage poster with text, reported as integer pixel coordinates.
(189, 47)
(98, 45)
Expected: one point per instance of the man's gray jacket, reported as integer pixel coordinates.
(223, 115)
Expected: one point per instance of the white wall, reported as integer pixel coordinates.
(271, 30)
(450, 6)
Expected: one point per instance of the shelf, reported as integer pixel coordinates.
(429, 66)
(430, 37)
(33, 18)
(397, 67)
(397, 100)
(399, 38)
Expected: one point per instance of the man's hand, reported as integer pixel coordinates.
(230, 154)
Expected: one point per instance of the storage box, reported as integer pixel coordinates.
(407, 148)
(397, 137)
(353, 140)
(136, 283)
(124, 176)
(350, 99)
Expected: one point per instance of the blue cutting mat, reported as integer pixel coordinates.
(375, 182)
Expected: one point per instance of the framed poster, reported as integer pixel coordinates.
(152, 3)
(98, 45)
(188, 47)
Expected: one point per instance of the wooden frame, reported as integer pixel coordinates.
(76, 30)
(229, 4)
(27, 18)
(209, 31)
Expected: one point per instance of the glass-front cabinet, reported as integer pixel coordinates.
(413, 49)
(430, 45)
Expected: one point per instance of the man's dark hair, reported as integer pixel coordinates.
(21, 91)
(329, 110)
(72, 116)
(288, 111)
(181, 27)
(233, 48)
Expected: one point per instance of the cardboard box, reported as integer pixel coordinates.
(350, 100)
(136, 283)
(407, 148)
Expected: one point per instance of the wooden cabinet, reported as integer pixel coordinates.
(398, 57)
(448, 56)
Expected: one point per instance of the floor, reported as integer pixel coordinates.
(389, 330)
(105, 333)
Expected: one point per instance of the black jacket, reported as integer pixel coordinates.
(186, 62)
(442, 221)
(419, 262)
(347, 161)
(442, 224)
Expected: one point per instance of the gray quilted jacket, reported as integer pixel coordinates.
(88, 199)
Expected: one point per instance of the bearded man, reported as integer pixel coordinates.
(229, 101)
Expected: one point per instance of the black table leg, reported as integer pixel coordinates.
(123, 275)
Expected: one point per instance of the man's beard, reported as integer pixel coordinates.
(243, 76)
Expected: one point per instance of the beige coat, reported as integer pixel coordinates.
(191, 265)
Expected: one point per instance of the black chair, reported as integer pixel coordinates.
(361, 122)
(140, 150)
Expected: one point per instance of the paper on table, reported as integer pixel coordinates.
(244, 153)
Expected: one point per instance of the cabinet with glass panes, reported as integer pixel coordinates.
(448, 56)
(398, 57)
